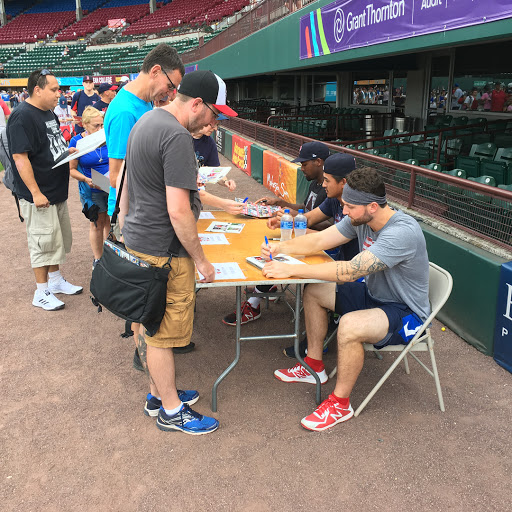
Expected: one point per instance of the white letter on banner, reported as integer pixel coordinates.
(509, 302)
(504, 331)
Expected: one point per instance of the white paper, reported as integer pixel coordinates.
(225, 227)
(206, 215)
(84, 146)
(101, 180)
(226, 271)
(213, 239)
(212, 174)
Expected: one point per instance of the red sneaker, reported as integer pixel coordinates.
(326, 415)
(299, 374)
(249, 314)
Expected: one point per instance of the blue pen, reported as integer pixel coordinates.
(266, 241)
(246, 199)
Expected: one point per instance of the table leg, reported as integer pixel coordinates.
(296, 343)
(237, 356)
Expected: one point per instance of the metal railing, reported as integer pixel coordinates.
(476, 208)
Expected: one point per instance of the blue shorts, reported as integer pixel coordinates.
(98, 197)
(403, 322)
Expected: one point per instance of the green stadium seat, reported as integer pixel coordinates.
(481, 151)
(470, 164)
(500, 171)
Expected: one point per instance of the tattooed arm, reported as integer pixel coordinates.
(363, 264)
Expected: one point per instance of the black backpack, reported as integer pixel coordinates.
(8, 178)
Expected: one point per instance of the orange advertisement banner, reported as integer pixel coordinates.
(280, 176)
(241, 153)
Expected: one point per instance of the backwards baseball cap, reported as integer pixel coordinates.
(339, 164)
(107, 87)
(209, 87)
(87, 78)
(312, 150)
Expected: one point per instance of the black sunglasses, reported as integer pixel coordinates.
(45, 72)
(170, 81)
(213, 111)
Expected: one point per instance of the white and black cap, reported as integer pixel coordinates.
(207, 86)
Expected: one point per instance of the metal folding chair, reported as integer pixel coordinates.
(440, 287)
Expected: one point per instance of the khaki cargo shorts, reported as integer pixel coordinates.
(48, 233)
(176, 327)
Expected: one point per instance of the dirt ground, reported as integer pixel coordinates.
(73, 435)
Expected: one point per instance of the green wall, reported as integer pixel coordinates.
(471, 309)
(276, 48)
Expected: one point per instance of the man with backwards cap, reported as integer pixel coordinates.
(387, 309)
(335, 169)
(161, 221)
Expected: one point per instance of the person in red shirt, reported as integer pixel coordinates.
(498, 98)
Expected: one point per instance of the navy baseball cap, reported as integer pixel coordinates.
(87, 78)
(107, 87)
(339, 164)
(311, 151)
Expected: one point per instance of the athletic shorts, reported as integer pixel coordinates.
(48, 233)
(403, 322)
(176, 327)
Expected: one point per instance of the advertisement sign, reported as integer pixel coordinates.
(71, 81)
(241, 154)
(347, 24)
(503, 329)
(280, 176)
(13, 82)
(220, 136)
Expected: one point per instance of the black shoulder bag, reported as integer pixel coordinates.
(130, 287)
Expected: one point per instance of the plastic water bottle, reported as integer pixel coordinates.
(286, 225)
(300, 224)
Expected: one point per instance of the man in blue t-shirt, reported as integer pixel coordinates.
(82, 99)
(161, 74)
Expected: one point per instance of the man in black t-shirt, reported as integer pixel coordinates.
(36, 144)
(107, 93)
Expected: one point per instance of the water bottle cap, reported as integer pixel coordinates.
(301, 211)
(287, 210)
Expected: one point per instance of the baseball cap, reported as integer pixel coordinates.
(339, 164)
(87, 78)
(107, 87)
(207, 86)
(63, 102)
(312, 150)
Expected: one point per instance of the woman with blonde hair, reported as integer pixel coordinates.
(93, 199)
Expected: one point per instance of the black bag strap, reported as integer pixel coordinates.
(175, 245)
(9, 163)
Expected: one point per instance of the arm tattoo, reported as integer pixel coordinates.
(364, 264)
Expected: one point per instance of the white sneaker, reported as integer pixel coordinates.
(299, 374)
(62, 286)
(46, 300)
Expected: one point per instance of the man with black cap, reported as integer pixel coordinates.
(311, 158)
(160, 228)
(82, 99)
(107, 93)
(387, 309)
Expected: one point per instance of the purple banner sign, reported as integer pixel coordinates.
(347, 24)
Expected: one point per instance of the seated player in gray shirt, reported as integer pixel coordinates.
(387, 309)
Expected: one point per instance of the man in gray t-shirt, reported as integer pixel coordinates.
(388, 308)
(161, 174)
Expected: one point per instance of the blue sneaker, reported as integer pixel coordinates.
(188, 396)
(188, 421)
